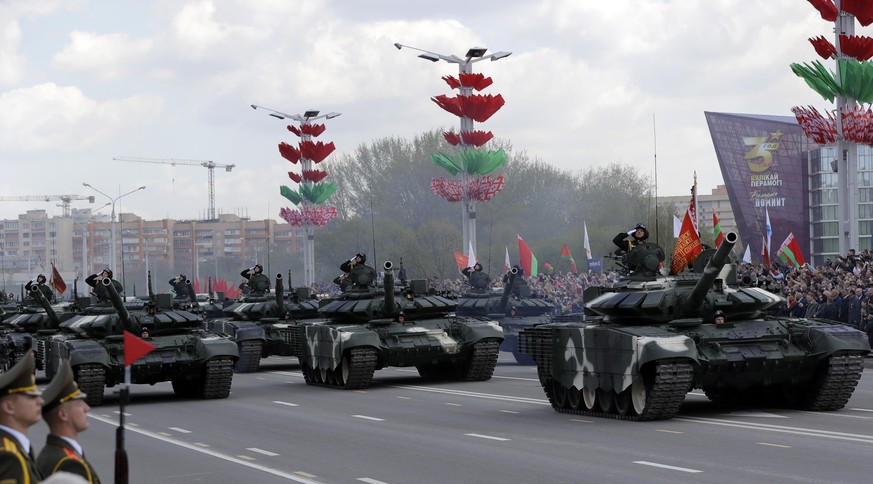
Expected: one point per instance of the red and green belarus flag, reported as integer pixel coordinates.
(789, 253)
(717, 232)
(528, 259)
(567, 256)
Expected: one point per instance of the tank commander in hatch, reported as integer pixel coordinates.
(40, 285)
(718, 317)
(258, 282)
(180, 286)
(637, 235)
(100, 291)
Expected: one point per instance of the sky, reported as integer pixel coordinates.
(588, 84)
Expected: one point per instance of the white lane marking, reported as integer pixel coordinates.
(781, 429)
(245, 457)
(665, 466)
(492, 376)
(453, 404)
(180, 430)
(369, 418)
(508, 411)
(507, 398)
(201, 444)
(370, 481)
(287, 404)
(262, 451)
(489, 437)
(754, 414)
(116, 412)
(861, 409)
(213, 453)
(774, 445)
(404, 398)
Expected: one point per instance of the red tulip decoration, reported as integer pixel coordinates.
(311, 192)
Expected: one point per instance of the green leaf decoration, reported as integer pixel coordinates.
(482, 162)
(317, 193)
(446, 162)
(291, 195)
(856, 79)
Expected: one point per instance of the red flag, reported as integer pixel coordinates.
(461, 260)
(135, 348)
(687, 246)
(528, 259)
(719, 235)
(790, 253)
(57, 281)
(765, 252)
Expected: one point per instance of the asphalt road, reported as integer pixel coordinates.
(275, 428)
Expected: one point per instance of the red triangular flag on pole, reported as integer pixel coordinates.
(461, 260)
(135, 348)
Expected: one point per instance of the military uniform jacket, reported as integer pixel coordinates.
(58, 455)
(16, 464)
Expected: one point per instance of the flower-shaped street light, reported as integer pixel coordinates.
(312, 192)
(470, 164)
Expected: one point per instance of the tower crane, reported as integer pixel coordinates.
(208, 164)
(64, 199)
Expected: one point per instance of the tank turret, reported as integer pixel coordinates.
(710, 273)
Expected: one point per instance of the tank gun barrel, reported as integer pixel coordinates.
(117, 303)
(280, 296)
(710, 272)
(507, 290)
(151, 291)
(37, 294)
(389, 287)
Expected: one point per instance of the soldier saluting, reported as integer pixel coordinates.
(258, 282)
(66, 413)
(96, 281)
(20, 404)
(40, 285)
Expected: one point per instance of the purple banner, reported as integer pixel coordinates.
(763, 162)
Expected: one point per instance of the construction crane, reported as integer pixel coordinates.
(64, 199)
(210, 165)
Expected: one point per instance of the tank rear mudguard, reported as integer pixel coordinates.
(324, 345)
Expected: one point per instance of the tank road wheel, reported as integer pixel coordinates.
(307, 372)
(605, 400)
(624, 402)
(574, 399)
(249, 356)
(217, 378)
(639, 394)
(91, 379)
(560, 393)
(359, 365)
(589, 398)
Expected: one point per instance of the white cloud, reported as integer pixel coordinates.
(63, 119)
(105, 57)
(11, 62)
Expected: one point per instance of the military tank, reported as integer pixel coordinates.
(264, 325)
(30, 327)
(368, 328)
(197, 362)
(513, 307)
(651, 339)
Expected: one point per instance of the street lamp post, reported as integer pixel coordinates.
(112, 216)
(465, 66)
(306, 134)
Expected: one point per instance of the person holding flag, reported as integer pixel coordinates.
(66, 413)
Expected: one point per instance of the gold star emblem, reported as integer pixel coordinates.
(777, 135)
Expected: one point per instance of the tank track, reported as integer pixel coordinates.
(671, 382)
(91, 379)
(838, 384)
(249, 356)
(40, 355)
(217, 378)
(483, 361)
(362, 365)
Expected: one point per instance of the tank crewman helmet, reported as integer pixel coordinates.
(182, 278)
(258, 268)
(108, 272)
(20, 378)
(718, 313)
(40, 279)
(362, 255)
(644, 229)
(62, 388)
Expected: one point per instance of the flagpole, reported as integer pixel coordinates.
(655, 142)
(121, 466)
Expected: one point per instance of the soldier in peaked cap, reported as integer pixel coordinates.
(66, 413)
(20, 404)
